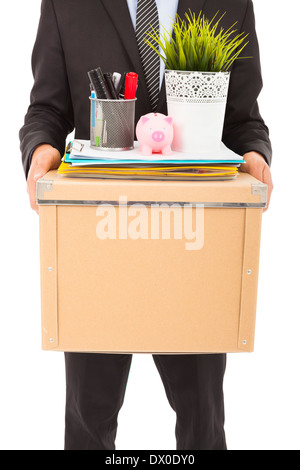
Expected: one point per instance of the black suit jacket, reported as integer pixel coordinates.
(75, 36)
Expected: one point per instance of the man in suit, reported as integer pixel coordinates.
(73, 38)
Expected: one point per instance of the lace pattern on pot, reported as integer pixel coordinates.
(197, 87)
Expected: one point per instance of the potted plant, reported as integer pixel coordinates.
(198, 58)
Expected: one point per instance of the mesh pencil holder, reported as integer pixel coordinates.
(112, 124)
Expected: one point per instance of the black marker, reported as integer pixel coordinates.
(110, 85)
(98, 82)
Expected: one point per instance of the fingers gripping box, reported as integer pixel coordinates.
(162, 267)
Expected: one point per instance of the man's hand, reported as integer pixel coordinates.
(44, 159)
(257, 166)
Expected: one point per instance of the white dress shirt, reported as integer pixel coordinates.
(167, 10)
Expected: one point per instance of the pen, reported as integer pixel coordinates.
(110, 85)
(103, 84)
(131, 83)
(116, 79)
(121, 88)
(93, 116)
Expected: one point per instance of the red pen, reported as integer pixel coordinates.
(131, 83)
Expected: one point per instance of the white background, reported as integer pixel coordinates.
(262, 389)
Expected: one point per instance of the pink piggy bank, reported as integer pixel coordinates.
(155, 134)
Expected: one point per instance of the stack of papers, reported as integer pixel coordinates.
(81, 160)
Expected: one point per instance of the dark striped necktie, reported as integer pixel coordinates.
(147, 16)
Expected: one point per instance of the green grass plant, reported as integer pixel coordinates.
(199, 44)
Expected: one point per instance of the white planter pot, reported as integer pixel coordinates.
(197, 102)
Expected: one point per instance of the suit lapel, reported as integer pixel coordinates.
(194, 5)
(121, 19)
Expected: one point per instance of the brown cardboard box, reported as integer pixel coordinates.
(149, 266)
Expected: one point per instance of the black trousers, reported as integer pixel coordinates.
(96, 385)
